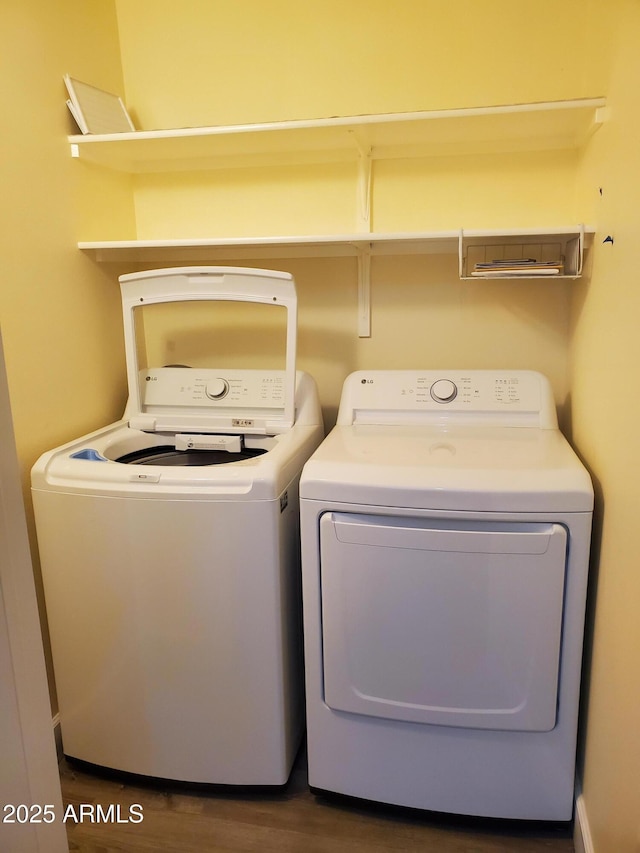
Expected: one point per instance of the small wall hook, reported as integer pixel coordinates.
(608, 239)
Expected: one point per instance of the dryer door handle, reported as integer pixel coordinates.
(492, 539)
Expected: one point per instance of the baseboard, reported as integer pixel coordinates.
(57, 733)
(581, 832)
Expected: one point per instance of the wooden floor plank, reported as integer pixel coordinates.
(178, 820)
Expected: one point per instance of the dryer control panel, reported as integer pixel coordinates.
(508, 398)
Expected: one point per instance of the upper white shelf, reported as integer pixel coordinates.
(513, 127)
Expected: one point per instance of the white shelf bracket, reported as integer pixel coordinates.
(363, 224)
(461, 254)
(580, 258)
(601, 115)
(363, 218)
(364, 291)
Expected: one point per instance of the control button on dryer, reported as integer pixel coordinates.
(443, 391)
(217, 388)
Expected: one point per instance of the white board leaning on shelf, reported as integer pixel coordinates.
(96, 111)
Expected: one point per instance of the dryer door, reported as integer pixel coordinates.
(445, 622)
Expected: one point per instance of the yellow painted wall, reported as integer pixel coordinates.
(437, 193)
(208, 61)
(605, 358)
(292, 60)
(60, 313)
(216, 62)
(211, 62)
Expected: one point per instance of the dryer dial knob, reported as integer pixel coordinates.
(217, 389)
(443, 391)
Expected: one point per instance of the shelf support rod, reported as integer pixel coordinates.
(364, 291)
(364, 183)
(580, 251)
(363, 224)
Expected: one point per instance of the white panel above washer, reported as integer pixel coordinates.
(454, 623)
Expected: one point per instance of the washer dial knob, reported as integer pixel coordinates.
(217, 388)
(443, 391)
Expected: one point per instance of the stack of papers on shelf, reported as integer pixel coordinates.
(511, 267)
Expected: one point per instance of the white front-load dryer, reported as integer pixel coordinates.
(445, 528)
(169, 544)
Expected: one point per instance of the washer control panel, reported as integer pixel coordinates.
(409, 396)
(177, 387)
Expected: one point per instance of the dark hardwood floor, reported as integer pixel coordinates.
(179, 820)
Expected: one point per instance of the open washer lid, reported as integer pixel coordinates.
(213, 401)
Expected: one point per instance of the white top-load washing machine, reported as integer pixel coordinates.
(445, 528)
(169, 544)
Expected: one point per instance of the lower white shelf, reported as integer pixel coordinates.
(346, 245)
(472, 247)
(293, 246)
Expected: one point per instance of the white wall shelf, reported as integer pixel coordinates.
(307, 246)
(341, 245)
(515, 128)
(568, 242)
